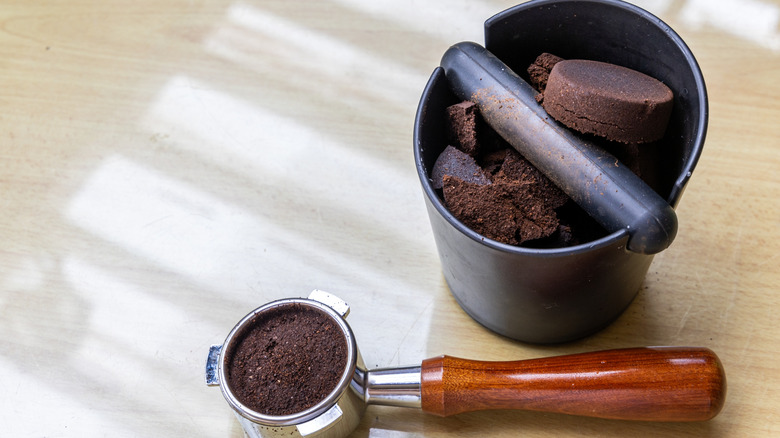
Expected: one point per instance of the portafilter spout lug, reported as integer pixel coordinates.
(212, 365)
(337, 304)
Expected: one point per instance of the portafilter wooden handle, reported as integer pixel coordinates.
(649, 384)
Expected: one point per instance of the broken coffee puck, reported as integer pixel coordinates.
(539, 71)
(519, 206)
(454, 162)
(462, 129)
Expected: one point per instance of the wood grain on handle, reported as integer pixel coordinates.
(650, 384)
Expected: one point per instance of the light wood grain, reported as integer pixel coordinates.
(169, 166)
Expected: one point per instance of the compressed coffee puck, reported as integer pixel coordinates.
(608, 100)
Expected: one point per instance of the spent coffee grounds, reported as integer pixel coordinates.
(290, 359)
(496, 192)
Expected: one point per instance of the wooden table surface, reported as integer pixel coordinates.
(169, 166)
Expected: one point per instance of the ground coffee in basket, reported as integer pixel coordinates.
(289, 360)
